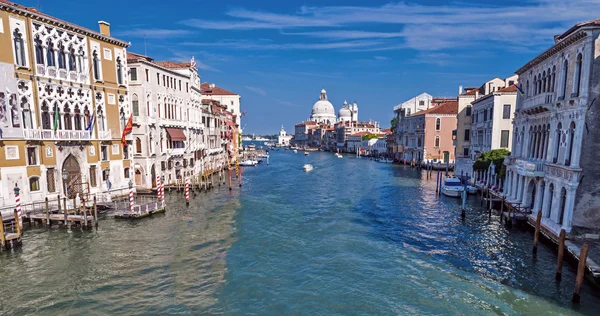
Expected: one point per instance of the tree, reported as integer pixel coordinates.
(369, 136)
(394, 123)
(496, 157)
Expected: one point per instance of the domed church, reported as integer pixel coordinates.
(348, 112)
(323, 111)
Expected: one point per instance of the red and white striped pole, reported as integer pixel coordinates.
(131, 197)
(158, 193)
(187, 191)
(162, 192)
(18, 203)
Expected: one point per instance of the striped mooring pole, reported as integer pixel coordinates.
(18, 203)
(187, 191)
(131, 197)
(158, 193)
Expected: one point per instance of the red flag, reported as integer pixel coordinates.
(127, 130)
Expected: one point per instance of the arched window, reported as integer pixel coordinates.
(543, 82)
(34, 184)
(126, 173)
(67, 118)
(119, 71)
(437, 142)
(551, 194)
(557, 142)
(96, 62)
(565, 70)
(62, 60)
(527, 92)
(46, 116)
(553, 78)
(138, 146)
(72, 59)
(535, 80)
(539, 84)
(19, 48)
(39, 51)
(57, 114)
(571, 139)
(77, 118)
(135, 105)
(50, 55)
(26, 111)
(577, 77)
(438, 124)
(80, 59)
(148, 108)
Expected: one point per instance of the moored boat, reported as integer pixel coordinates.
(452, 186)
(307, 167)
(471, 189)
(306, 153)
(249, 163)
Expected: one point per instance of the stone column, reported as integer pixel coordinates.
(506, 186)
(537, 203)
(515, 186)
(569, 206)
(551, 144)
(576, 154)
(554, 205)
(546, 201)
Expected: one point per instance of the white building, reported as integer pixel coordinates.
(491, 126)
(557, 133)
(323, 111)
(348, 112)
(416, 104)
(283, 139)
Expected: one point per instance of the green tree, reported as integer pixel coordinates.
(496, 157)
(369, 136)
(394, 123)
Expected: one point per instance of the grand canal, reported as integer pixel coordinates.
(352, 237)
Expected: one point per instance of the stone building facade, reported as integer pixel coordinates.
(554, 166)
(64, 101)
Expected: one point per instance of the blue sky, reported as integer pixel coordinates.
(279, 54)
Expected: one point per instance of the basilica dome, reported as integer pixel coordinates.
(323, 111)
(345, 114)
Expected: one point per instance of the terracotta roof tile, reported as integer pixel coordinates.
(207, 90)
(512, 88)
(444, 108)
(173, 65)
(360, 134)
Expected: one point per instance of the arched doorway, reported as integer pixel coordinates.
(138, 176)
(153, 175)
(71, 177)
(551, 199)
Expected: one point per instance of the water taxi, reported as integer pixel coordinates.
(249, 163)
(306, 153)
(338, 155)
(307, 167)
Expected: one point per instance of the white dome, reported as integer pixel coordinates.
(344, 112)
(323, 107)
(323, 91)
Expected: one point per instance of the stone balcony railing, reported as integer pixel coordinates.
(60, 73)
(542, 99)
(529, 167)
(63, 135)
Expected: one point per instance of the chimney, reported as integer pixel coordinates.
(476, 94)
(104, 28)
(460, 90)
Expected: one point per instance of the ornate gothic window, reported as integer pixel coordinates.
(39, 51)
(535, 80)
(67, 118)
(119, 71)
(77, 118)
(80, 59)
(100, 116)
(544, 82)
(19, 48)
(571, 140)
(135, 105)
(26, 112)
(46, 122)
(62, 60)
(86, 114)
(54, 115)
(577, 76)
(553, 78)
(50, 55)
(557, 142)
(72, 59)
(96, 62)
(565, 71)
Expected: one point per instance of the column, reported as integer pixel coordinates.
(555, 204)
(569, 206)
(537, 203)
(514, 187)
(576, 154)
(551, 145)
(546, 201)
(506, 187)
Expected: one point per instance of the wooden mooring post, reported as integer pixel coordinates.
(536, 235)
(17, 223)
(66, 212)
(580, 273)
(2, 235)
(561, 253)
(47, 213)
(95, 213)
(501, 209)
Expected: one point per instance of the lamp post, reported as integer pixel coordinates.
(65, 177)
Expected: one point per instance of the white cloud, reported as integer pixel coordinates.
(153, 33)
(256, 90)
(245, 44)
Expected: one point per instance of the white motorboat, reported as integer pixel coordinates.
(452, 186)
(471, 189)
(249, 163)
(306, 153)
(295, 151)
(385, 160)
(307, 167)
(338, 155)
(263, 156)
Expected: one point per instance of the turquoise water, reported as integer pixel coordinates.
(352, 237)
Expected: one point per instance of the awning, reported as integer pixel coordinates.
(176, 134)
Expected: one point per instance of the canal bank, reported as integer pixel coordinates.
(351, 237)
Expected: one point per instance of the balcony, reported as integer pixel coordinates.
(542, 99)
(176, 152)
(530, 167)
(105, 135)
(63, 135)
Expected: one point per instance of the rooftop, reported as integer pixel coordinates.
(211, 89)
(445, 108)
(174, 65)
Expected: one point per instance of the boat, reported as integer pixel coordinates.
(249, 163)
(295, 151)
(471, 189)
(306, 153)
(338, 155)
(385, 160)
(307, 167)
(263, 156)
(452, 186)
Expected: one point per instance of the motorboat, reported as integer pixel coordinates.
(471, 189)
(249, 163)
(306, 153)
(263, 156)
(338, 155)
(452, 186)
(307, 167)
(385, 160)
(295, 151)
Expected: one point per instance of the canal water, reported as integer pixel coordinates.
(351, 237)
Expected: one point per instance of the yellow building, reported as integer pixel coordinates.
(63, 105)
